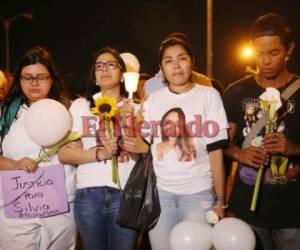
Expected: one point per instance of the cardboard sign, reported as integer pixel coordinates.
(31, 195)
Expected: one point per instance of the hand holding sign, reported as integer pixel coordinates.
(40, 194)
(27, 164)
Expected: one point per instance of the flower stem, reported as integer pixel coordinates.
(256, 189)
(115, 172)
(55, 148)
(114, 169)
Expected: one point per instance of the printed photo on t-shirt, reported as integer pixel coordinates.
(176, 141)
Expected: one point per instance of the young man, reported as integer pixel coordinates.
(276, 220)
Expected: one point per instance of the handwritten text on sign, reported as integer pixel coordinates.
(38, 194)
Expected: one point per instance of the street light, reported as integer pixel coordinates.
(7, 24)
(247, 53)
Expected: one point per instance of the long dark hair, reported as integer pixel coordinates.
(92, 88)
(33, 56)
(57, 92)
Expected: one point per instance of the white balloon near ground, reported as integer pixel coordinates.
(131, 62)
(47, 122)
(233, 234)
(190, 235)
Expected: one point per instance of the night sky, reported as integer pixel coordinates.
(74, 30)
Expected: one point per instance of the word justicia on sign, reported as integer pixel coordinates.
(194, 128)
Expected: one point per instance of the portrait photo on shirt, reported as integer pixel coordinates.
(175, 137)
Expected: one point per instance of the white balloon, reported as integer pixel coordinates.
(131, 62)
(190, 235)
(233, 234)
(47, 122)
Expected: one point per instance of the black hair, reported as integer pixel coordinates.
(170, 41)
(144, 76)
(33, 56)
(57, 92)
(272, 24)
(179, 35)
(92, 88)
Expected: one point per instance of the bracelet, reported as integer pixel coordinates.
(96, 156)
(223, 206)
(219, 198)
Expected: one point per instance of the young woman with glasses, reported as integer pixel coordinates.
(35, 78)
(98, 197)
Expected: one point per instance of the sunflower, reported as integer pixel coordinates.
(106, 107)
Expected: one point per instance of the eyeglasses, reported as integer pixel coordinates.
(40, 79)
(111, 65)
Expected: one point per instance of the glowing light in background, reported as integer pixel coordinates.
(247, 52)
(246, 55)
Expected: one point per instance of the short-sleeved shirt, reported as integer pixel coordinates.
(181, 159)
(279, 204)
(95, 174)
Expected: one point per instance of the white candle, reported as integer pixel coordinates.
(131, 82)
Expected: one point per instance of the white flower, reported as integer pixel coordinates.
(212, 217)
(272, 97)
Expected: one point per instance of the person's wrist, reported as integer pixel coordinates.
(144, 146)
(221, 206)
(220, 200)
(14, 165)
(100, 154)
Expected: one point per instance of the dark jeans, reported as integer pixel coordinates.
(96, 210)
(279, 239)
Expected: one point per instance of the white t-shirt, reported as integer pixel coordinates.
(96, 174)
(16, 145)
(182, 164)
